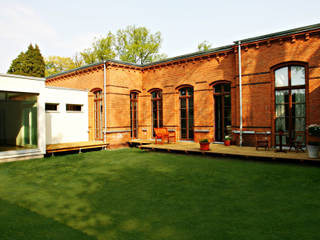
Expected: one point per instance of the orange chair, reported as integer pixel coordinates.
(164, 134)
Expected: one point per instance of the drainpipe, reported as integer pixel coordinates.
(240, 91)
(105, 101)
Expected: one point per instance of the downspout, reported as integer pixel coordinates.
(240, 91)
(105, 101)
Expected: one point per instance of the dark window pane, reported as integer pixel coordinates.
(217, 88)
(73, 107)
(190, 103)
(227, 87)
(298, 96)
(183, 123)
(282, 96)
(182, 92)
(183, 103)
(190, 91)
(51, 106)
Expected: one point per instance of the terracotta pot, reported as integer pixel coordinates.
(227, 142)
(204, 146)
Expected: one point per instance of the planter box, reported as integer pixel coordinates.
(313, 151)
(204, 146)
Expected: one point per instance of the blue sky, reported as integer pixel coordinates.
(63, 28)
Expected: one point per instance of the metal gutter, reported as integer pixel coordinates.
(240, 90)
(105, 101)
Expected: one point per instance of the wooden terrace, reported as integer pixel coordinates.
(75, 146)
(221, 150)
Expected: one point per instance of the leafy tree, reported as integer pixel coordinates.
(56, 64)
(138, 45)
(30, 63)
(78, 60)
(204, 46)
(102, 49)
(132, 44)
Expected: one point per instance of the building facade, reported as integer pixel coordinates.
(198, 95)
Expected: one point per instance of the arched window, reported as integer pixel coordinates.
(157, 116)
(186, 113)
(98, 116)
(290, 102)
(222, 108)
(134, 114)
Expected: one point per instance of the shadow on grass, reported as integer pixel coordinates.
(20, 223)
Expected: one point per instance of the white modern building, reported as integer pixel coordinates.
(66, 115)
(22, 117)
(33, 115)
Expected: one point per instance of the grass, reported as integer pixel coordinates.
(131, 194)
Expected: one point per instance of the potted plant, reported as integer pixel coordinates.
(314, 146)
(204, 144)
(227, 140)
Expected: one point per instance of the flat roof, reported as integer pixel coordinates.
(21, 76)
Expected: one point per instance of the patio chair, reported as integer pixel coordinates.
(262, 140)
(297, 142)
(164, 134)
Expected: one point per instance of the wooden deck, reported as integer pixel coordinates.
(220, 149)
(75, 146)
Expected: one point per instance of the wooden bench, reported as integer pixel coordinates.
(164, 134)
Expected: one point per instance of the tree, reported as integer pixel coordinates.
(30, 63)
(132, 44)
(204, 46)
(138, 45)
(78, 60)
(102, 49)
(56, 64)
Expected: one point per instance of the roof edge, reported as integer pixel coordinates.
(21, 76)
(280, 34)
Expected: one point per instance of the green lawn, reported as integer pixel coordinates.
(130, 194)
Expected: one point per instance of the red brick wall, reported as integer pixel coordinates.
(201, 73)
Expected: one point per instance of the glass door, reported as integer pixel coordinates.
(186, 113)
(222, 106)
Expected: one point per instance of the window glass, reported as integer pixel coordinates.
(183, 92)
(298, 96)
(281, 77)
(226, 87)
(282, 96)
(51, 107)
(217, 88)
(297, 75)
(74, 107)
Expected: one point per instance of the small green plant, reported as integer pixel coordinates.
(228, 137)
(314, 130)
(204, 141)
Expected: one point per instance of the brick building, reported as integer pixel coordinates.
(197, 95)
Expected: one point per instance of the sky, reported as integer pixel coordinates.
(62, 28)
